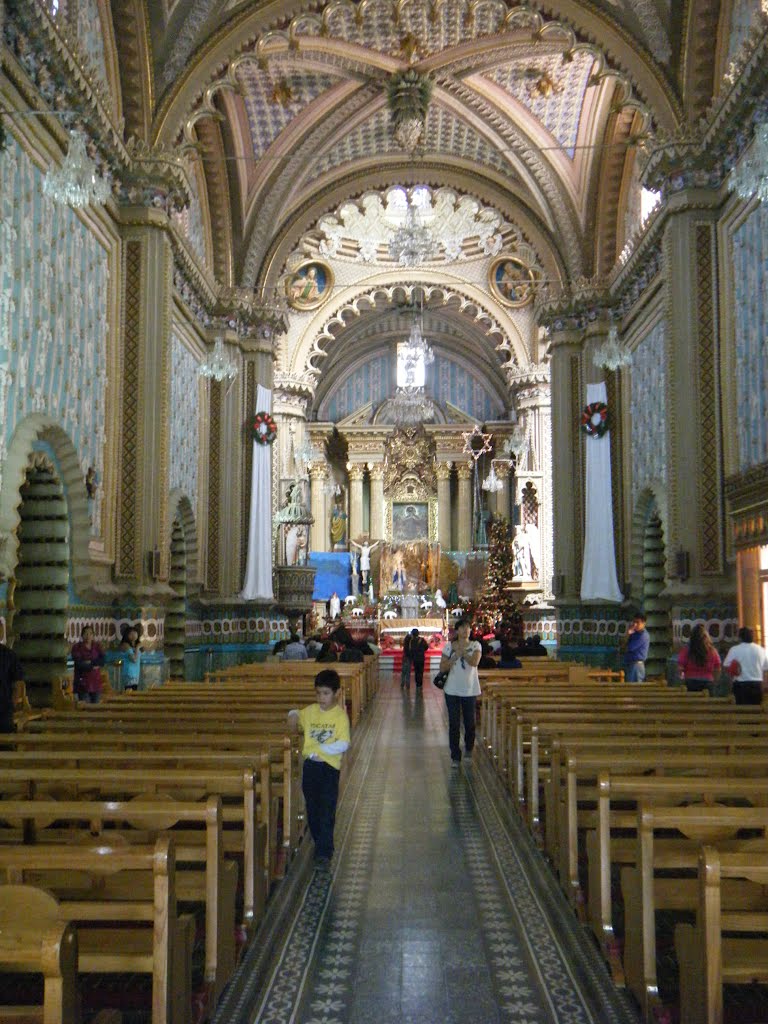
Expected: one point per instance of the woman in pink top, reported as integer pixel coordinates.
(699, 662)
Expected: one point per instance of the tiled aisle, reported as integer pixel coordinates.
(439, 910)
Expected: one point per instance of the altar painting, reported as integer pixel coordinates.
(409, 568)
(410, 521)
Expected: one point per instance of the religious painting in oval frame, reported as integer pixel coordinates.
(511, 281)
(309, 286)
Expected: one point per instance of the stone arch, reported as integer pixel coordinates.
(38, 427)
(180, 508)
(310, 351)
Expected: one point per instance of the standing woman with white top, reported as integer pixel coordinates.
(460, 659)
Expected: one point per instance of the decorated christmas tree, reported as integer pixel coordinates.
(497, 600)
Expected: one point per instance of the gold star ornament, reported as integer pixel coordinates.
(476, 443)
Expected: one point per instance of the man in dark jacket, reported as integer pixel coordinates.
(11, 676)
(417, 652)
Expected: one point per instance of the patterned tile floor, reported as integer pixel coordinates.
(438, 910)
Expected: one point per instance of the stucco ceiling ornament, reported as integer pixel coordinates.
(408, 96)
(459, 225)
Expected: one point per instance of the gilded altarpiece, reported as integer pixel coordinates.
(409, 478)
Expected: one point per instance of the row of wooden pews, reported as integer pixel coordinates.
(623, 783)
(146, 833)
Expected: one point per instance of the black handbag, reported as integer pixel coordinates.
(441, 679)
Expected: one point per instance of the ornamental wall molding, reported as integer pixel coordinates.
(529, 375)
(468, 305)
(574, 306)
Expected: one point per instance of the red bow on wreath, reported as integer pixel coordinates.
(594, 419)
(263, 428)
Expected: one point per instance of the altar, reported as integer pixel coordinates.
(400, 627)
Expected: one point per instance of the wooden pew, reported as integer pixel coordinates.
(141, 820)
(34, 939)
(716, 950)
(692, 824)
(162, 946)
(242, 833)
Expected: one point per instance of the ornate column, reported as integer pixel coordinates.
(376, 470)
(502, 496)
(567, 471)
(443, 473)
(356, 471)
(319, 538)
(147, 294)
(464, 538)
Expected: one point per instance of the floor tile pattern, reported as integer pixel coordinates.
(439, 909)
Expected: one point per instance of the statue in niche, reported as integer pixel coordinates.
(296, 545)
(338, 525)
(521, 555)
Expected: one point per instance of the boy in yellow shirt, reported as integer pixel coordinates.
(325, 726)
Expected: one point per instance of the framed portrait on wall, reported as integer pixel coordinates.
(511, 281)
(309, 286)
(410, 521)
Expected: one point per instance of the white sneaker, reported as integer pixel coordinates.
(455, 764)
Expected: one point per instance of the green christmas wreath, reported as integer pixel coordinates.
(594, 419)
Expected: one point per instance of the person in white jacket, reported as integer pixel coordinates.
(747, 664)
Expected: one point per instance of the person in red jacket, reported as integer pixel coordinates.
(88, 658)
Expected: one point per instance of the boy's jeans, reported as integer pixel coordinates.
(320, 785)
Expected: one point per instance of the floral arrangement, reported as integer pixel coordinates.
(594, 419)
(263, 428)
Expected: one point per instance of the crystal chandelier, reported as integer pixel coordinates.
(750, 177)
(516, 445)
(304, 456)
(332, 488)
(77, 182)
(218, 367)
(413, 243)
(411, 406)
(492, 483)
(418, 348)
(612, 355)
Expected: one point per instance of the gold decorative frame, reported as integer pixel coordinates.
(319, 286)
(431, 513)
(511, 281)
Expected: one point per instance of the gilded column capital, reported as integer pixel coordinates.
(443, 470)
(318, 471)
(376, 469)
(464, 470)
(356, 472)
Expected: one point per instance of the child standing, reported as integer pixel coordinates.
(325, 726)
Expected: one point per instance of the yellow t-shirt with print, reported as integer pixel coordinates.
(321, 726)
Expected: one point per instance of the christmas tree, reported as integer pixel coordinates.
(498, 601)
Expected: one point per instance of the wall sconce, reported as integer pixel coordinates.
(682, 565)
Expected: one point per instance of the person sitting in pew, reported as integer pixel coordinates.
(534, 648)
(486, 659)
(509, 658)
(295, 650)
(747, 663)
(699, 662)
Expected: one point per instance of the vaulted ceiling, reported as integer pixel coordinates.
(541, 102)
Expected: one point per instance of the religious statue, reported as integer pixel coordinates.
(334, 609)
(338, 525)
(521, 555)
(296, 545)
(365, 550)
(398, 570)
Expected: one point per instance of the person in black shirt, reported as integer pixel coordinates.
(417, 652)
(11, 675)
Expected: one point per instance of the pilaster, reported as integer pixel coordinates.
(142, 506)
(502, 497)
(318, 477)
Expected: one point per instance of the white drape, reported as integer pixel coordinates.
(598, 579)
(258, 569)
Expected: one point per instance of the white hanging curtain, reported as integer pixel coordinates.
(598, 578)
(258, 569)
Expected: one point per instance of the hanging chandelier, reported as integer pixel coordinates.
(492, 483)
(218, 366)
(749, 178)
(303, 457)
(411, 406)
(612, 355)
(413, 243)
(77, 182)
(516, 444)
(418, 348)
